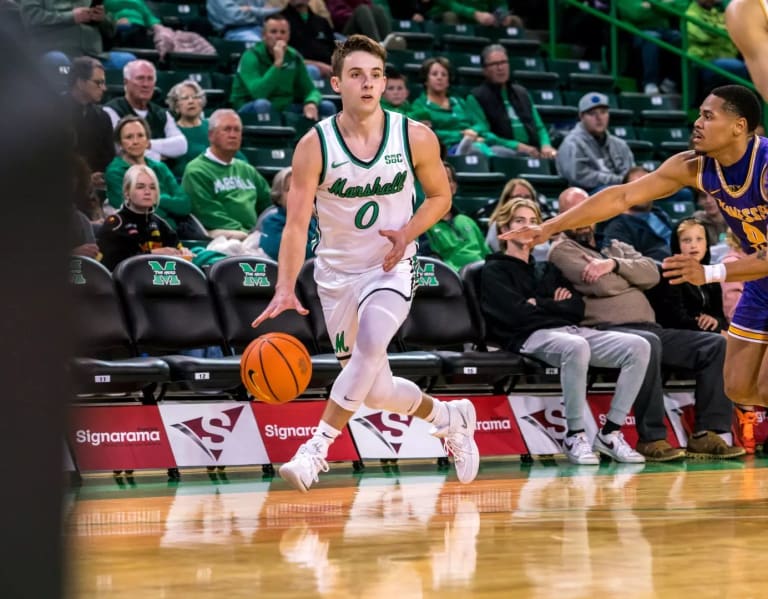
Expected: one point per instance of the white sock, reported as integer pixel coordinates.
(439, 414)
(326, 433)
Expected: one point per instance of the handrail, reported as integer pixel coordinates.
(616, 23)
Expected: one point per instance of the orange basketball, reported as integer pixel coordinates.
(275, 368)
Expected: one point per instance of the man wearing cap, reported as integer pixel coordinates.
(590, 157)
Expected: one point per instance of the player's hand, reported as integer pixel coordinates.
(707, 322)
(399, 243)
(596, 268)
(561, 293)
(529, 235)
(683, 269)
(281, 301)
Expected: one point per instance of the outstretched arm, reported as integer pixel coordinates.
(747, 25)
(682, 269)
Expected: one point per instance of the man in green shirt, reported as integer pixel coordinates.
(227, 193)
(272, 75)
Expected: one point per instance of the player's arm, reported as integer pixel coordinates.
(681, 269)
(425, 154)
(747, 26)
(674, 174)
(307, 165)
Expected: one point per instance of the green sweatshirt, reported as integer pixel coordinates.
(136, 11)
(257, 77)
(477, 114)
(197, 143)
(703, 44)
(458, 241)
(404, 108)
(225, 196)
(643, 15)
(448, 123)
(466, 9)
(173, 200)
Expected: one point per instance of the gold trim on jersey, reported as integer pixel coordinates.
(748, 334)
(700, 172)
(744, 188)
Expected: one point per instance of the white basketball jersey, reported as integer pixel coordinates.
(357, 199)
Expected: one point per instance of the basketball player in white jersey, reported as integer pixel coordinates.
(358, 168)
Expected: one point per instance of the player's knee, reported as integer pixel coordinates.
(741, 389)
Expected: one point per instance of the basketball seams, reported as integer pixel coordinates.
(289, 353)
(287, 364)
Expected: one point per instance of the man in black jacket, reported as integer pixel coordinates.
(311, 35)
(533, 309)
(512, 118)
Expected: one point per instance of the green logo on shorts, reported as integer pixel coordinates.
(425, 275)
(341, 347)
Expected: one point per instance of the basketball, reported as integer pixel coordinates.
(275, 368)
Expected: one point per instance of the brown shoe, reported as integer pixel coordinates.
(659, 451)
(712, 446)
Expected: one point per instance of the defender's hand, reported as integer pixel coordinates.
(683, 269)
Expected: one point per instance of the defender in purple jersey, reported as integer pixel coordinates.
(729, 161)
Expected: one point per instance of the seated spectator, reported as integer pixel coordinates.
(447, 114)
(137, 25)
(227, 193)
(273, 224)
(395, 96)
(85, 198)
(612, 283)
(491, 13)
(711, 217)
(135, 228)
(132, 135)
(717, 50)
(186, 101)
(505, 109)
(83, 241)
(360, 16)
(411, 10)
(514, 189)
(655, 23)
(90, 124)
(591, 157)
(456, 239)
(312, 36)
(537, 311)
(241, 20)
(140, 77)
(272, 75)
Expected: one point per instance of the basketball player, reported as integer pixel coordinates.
(729, 162)
(358, 169)
(747, 24)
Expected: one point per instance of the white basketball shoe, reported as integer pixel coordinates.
(459, 438)
(304, 467)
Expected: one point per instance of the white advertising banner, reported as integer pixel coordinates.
(380, 434)
(542, 422)
(213, 434)
(676, 406)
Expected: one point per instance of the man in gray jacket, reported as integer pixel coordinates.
(612, 284)
(590, 157)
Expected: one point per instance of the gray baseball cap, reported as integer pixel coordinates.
(592, 100)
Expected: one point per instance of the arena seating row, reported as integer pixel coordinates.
(135, 322)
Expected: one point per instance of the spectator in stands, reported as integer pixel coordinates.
(591, 157)
(712, 48)
(411, 10)
(447, 114)
(91, 125)
(362, 16)
(514, 189)
(456, 239)
(83, 242)
(537, 311)
(272, 225)
(505, 109)
(711, 217)
(227, 193)
(85, 198)
(312, 36)
(136, 229)
(655, 23)
(491, 13)
(132, 136)
(272, 75)
(612, 283)
(139, 77)
(241, 20)
(395, 96)
(646, 228)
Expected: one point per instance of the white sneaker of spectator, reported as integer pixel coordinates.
(578, 450)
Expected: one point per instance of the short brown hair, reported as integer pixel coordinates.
(131, 118)
(355, 43)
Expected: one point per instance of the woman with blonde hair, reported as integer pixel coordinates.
(533, 309)
(514, 188)
(135, 228)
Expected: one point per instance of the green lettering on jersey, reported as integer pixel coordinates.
(164, 274)
(255, 276)
(425, 275)
(341, 347)
(340, 188)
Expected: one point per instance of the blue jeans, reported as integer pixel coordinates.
(263, 106)
(710, 79)
(650, 52)
(251, 33)
(114, 60)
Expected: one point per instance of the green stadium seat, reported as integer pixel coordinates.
(464, 43)
(271, 118)
(641, 149)
(536, 79)
(546, 97)
(668, 140)
(464, 59)
(187, 61)
(399, 58)
(407, 26)
(653, 108)
(516, 166)
(527, 63)
(521, 47)
(677, 211)
(488, 185)
(625, 132)
(269, 161)
(470, 76)
(469, 163)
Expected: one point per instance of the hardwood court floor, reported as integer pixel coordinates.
(694, 529)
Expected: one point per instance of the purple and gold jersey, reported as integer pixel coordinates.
(741, 192)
